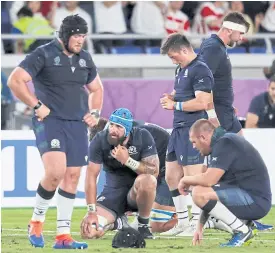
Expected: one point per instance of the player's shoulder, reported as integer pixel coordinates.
(100, 137)
(85, 54)
(86, 58)
(228, 141)
(200, 67)
(260, 98)
(139, 131)
(47, 50)
(140, 134)
(211, 42)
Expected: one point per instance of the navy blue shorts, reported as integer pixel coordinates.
(242, 204)
(181, 149)
(67, 136)
(163, 196)
(116, 199)
(228, 118)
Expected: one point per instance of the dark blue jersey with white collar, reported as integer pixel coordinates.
(59, 80)
(196, 76)
(140, 145)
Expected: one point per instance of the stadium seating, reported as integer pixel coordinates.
(257, 50)
(127, 50)
(236, 50)
(152, 50)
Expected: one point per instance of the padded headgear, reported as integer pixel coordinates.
(71, 25)
(124, 118)
(128, 238)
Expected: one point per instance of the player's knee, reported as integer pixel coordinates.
(171, 179)
(198, 195)
(146, 182)
(72, 177)
(55, 177)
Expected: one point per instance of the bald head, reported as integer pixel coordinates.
(202, 126)
(200, 135)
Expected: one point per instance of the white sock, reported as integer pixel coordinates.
(65, 204)
(195, 212)
(40, 209)
(222, 213)
(209, 224)
(42, 202)
(180, 202)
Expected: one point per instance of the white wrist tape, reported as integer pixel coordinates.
(211, 114)
(91, 208)
(132, 164)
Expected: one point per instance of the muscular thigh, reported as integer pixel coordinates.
(240, 202)
(49, 135)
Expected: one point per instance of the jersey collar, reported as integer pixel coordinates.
(215, 36)
(218, 133)
(58, 44)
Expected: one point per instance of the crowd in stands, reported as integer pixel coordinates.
(139, 17)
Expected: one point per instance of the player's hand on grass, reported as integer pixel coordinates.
(120, 153)
(183, 187)
(167, 103)
(42, 112)
(197, 238)
(88, 224)
(90, 120)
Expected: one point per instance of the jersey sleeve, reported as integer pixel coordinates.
(95, 150)
(255, 106)
(148, 144)
(203, 79)
(34, 62)
(223, 155)
(212, 57)
(92, 70)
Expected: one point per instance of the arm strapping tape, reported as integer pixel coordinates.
(132, 164)
(211, 114)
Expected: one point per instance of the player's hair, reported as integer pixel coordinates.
(24, 12)
(202, 125)
(97, 128)
(271, 79)
(238, 18)
(175, 42)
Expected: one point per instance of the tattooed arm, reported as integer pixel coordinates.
(149, 165)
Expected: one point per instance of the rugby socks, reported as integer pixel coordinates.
(142, 220)
(220, 211)
(42, 202)
(195, 212)
(65, 203)
(180, 202)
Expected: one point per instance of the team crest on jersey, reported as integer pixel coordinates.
(57, 61)
(82, 63)
(132, 150)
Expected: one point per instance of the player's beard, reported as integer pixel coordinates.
(231, 44)
(115, 141)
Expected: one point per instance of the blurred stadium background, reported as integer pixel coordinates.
(124, 40)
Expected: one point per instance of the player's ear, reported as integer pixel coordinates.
(184, 50)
